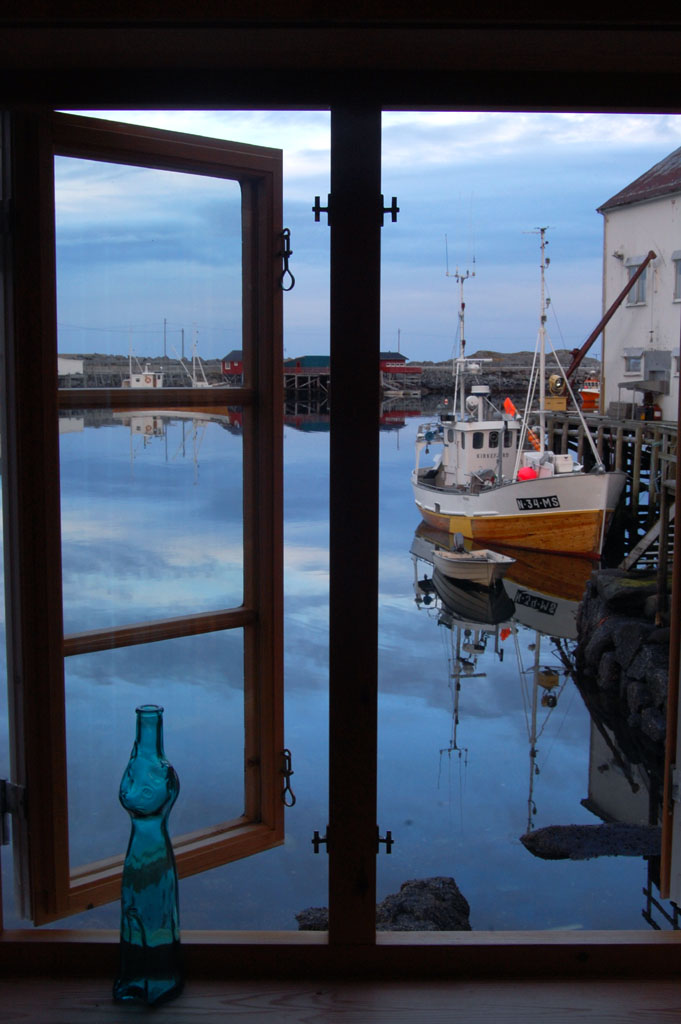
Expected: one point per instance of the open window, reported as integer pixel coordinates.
(84, 627)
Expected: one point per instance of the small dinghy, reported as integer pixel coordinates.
(482, 566)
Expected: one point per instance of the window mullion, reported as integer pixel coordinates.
(355, 217)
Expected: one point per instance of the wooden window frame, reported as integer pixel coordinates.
(32, 495)
(351, 948)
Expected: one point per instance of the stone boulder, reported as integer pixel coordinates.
(421, 905)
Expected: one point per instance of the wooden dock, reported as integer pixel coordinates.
(647, 451)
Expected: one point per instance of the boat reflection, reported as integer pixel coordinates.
(533, 610)
(540, 594)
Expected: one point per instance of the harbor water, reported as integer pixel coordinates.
(471, 753)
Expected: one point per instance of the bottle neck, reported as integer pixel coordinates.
(149, 736)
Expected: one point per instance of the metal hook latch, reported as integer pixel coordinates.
(288, 796)
(387, 839)
(285, 252)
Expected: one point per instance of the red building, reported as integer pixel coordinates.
(233, 366)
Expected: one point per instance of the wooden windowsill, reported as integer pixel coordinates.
(69, 1001)
(406, 955)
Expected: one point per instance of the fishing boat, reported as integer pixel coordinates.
(495, 481)
(590, 393)
(482, 566)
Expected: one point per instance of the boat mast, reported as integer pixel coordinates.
(460, 364)
(542, 342)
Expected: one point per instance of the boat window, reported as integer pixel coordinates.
(508, 438)
(494, 438)
(450, 436)
(478, 439)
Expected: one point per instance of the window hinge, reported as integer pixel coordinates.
(6, 216)
(12, 801)
(318, 840)
(387, 839)
(675, 783)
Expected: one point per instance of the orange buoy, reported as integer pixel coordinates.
(512, 411)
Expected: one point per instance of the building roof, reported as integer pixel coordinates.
(235, 356)
(661, 180)
(393, 356)
(307, 361)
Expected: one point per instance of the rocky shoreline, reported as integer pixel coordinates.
(503, 373)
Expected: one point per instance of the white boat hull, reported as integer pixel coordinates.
(566, 512)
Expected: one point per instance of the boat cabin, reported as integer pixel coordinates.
(478, 448)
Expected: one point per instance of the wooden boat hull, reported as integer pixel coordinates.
(482, 566)
(562, 514)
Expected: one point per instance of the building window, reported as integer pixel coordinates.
(633, 364)
(637, 295)
(677, 279)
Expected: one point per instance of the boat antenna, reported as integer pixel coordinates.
(460, 278)
(458, 363)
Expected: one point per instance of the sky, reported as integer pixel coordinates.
(144, 264)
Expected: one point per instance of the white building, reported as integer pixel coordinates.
(641, 341)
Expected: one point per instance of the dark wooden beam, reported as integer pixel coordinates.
(355, 214)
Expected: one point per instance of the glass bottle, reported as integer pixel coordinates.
(150, 963)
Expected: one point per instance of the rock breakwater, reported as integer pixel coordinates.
(622, 663)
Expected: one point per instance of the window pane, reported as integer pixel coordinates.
(152, 522)
(199, 682)
(461, 728)
(148, 273)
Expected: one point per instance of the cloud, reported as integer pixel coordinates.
(482, 179)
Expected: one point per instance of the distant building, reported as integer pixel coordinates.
(307, 374)
(302, 363)
(397, 376)
(233, 366)
(641, 341)
(68, 367)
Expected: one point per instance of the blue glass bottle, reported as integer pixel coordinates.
(150, 962)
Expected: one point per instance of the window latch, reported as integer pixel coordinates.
(12, 801)
(287, 280)
(287, 795)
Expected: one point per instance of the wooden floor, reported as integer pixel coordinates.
(494, 1002)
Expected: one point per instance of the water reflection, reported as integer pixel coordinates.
(529, 618)
(140, 538)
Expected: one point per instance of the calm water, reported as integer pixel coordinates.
(457, 786)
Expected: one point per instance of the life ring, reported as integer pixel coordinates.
(147, 380)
